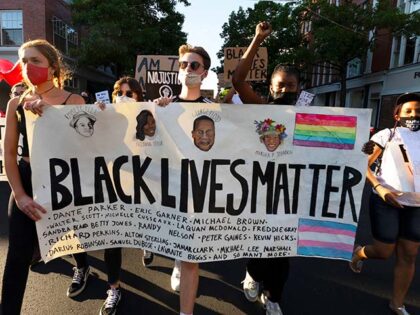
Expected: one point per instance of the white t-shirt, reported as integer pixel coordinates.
(396, 173)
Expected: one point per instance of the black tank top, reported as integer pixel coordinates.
(21, 126)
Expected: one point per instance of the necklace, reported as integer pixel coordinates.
(45, 92)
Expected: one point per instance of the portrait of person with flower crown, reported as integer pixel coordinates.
(271, 133)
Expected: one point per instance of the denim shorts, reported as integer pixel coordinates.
(389, 223)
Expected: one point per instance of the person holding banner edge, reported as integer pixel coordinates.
(395, 201)
(194, 63)
(44, 73)
(268, 275)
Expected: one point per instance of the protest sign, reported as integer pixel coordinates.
(305, 99)
(158, 75)
(199, 182)
(102, 96)
(258, 71)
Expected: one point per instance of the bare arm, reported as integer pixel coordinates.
(25, 203)
(245, 91)
(228, 98)
(386, 194)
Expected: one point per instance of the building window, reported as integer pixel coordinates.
(11, 28)
(354, 68)
(396, 51)
(65, 37)
(409, 50)
(72, 83)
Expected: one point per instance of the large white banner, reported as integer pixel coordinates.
(199, 182)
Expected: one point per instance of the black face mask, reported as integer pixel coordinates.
(286, 98)
(412, 123)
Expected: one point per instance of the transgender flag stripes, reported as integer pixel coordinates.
(326, 131)
(325, 239)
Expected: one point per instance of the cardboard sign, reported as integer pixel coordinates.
(103, 96)
(158, 75)
(305, 99)
(258, 70)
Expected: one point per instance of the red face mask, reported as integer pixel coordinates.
(36, 74)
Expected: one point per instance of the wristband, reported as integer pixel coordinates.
(374, 187)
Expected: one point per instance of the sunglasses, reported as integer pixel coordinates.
(127, 93)
(15, 94)
(195, 65)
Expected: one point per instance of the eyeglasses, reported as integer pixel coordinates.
(195, 65)
(15, 94)
(127, 93)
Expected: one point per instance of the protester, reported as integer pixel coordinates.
(17, 89)
(394, 203)
(44, 73)
(268, 275)
(127, 89)
(194, 63)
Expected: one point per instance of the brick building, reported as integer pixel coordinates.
(23, 20)
(392, 68)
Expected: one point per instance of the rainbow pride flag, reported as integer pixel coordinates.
(326, 131)
(325, 239)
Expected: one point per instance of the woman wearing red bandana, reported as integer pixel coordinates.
(44, 73)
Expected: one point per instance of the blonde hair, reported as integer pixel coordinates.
(186, 48)
(54, 57)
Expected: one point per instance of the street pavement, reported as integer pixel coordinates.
(315, 286)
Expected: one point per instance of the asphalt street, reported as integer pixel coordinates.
(315, 286)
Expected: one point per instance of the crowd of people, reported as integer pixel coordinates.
(395, 220)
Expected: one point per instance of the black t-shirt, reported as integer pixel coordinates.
(201, 99)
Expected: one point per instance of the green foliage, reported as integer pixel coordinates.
(116, 31)
(342, 33)
(281, 45)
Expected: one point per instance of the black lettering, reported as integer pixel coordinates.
(139, 184)
(102, 174)
(79, 199)
(348, 183)
(56, 187)
(116, 168)
(295, 198)
(215, 186)
(245, 190)
(282, 183)
(266, 177)
(328, 190)
(315, 180)
(199, 188)
(183, 204)
(167, 200)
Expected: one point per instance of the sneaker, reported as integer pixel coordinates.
(399, 310)
(271, 308)
(110, 305)
(176, 276)
(79, 281)
(147, 258)
(251, 288)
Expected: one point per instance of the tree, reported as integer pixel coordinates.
(115, 31)
(339, 34)
(240, 29)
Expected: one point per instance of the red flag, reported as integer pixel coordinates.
(12, 74)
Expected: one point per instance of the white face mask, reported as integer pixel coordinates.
(124, 99)
(190, 79)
